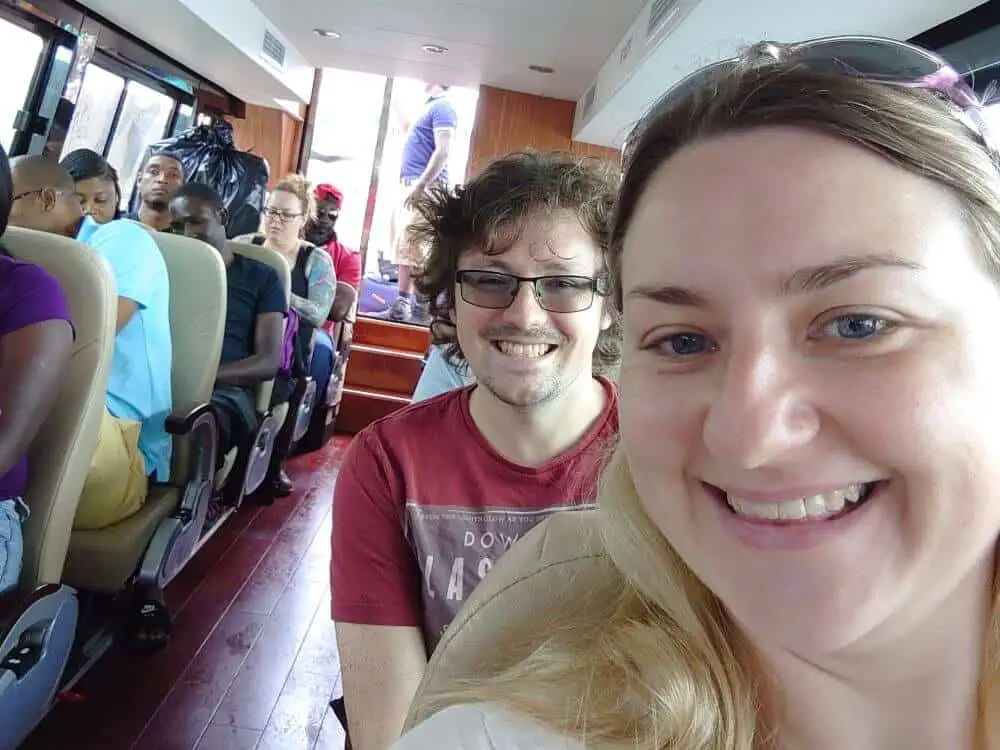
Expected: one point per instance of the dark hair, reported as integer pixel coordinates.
(489, 214)
(200, 191)
(166, 152)
(6, 191)
(84, 164)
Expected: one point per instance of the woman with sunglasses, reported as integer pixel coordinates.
(801, 518)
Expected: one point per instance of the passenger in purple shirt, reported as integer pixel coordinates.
(35, 343)
(36, 339)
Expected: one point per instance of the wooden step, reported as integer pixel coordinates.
(360, 407)
(376, 368)
(389, 335)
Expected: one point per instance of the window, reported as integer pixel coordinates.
(22, 51)
(144, 117)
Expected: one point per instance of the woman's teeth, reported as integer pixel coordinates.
(814, 507)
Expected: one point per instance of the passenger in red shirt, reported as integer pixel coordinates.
(430, 497)
(322, 232)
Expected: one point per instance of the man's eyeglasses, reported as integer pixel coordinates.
(559, 294)
(275, 213)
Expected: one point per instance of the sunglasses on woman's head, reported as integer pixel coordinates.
(872, 58)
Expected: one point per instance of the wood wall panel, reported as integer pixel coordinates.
(273, 135)
(509, 121)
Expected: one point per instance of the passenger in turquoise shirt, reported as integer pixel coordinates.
(139, 382)
(441, 374)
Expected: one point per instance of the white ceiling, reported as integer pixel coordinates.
(489, 41)
(717, 29)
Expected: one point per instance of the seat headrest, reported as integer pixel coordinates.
(198, 294)
(63, 448)
(552, 572)
(268, 257)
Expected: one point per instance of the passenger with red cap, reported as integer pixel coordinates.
(321, 231)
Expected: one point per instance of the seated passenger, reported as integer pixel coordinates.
(96, 184)
(314, 283)
(255, 311)
(133, 443)
(36, 341)
(327, 367)
(441, 374)
(161, 175)
(430, 497)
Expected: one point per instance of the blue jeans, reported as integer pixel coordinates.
(13, 513)
(321, 368)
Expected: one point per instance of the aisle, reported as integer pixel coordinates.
(253, 660)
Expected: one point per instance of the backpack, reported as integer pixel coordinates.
(288, 343)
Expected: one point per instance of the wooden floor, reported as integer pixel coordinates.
(253, 660)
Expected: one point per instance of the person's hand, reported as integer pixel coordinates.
(415, 193)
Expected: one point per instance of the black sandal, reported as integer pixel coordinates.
(148, 627)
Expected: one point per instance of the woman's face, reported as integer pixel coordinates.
(283, 217)
(99, 198)
(811, 385)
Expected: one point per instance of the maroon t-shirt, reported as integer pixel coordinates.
(424, 507)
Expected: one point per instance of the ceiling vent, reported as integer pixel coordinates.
(626, 50)
(588, 100)
(273, 49)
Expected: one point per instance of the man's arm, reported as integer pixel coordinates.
(382, 667)
(263, 364)
(343, 302)
(376, 584)
(438, 160)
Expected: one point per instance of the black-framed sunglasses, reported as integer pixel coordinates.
(559, 293)
(872, 58)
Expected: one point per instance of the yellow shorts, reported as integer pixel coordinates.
(408, 253)
(116, 483)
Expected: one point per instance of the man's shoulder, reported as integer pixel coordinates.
(426, 422)
(251, 269)
(124, 231)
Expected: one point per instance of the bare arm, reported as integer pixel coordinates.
(343, 302)
(263, 364)
(322, 288)
(438, 160)
(382, 667)
(32, 362)
(127, 309)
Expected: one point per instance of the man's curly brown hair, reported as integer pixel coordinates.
(489, 213)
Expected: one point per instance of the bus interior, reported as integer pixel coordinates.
(314, 89)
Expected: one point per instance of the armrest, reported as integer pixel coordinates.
(200, 428)
(186, 424)
(14, 603)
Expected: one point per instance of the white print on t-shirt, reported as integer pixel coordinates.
(457, 547)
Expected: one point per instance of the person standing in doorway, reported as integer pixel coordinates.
(425, 163)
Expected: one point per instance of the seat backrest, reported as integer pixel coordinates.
(545, 578)
(62, 451)
(197, 325)
(273, 259)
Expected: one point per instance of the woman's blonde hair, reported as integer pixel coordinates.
(668, 668)
(301, 188)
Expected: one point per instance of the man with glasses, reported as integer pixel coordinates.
(430, 497)
(133, 444)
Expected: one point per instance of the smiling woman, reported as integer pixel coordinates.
(804, 507)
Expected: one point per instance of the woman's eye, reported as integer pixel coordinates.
(684, 345)
(857, 327)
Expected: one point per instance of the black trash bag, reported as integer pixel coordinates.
(209, 156)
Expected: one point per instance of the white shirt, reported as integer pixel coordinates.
(483, 726)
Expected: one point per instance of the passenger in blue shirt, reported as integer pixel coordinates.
(441, 374)
(133, 445)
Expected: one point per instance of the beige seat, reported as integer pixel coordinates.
(255, 465)
(560, 564)
(43, 618)
(162, 537)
